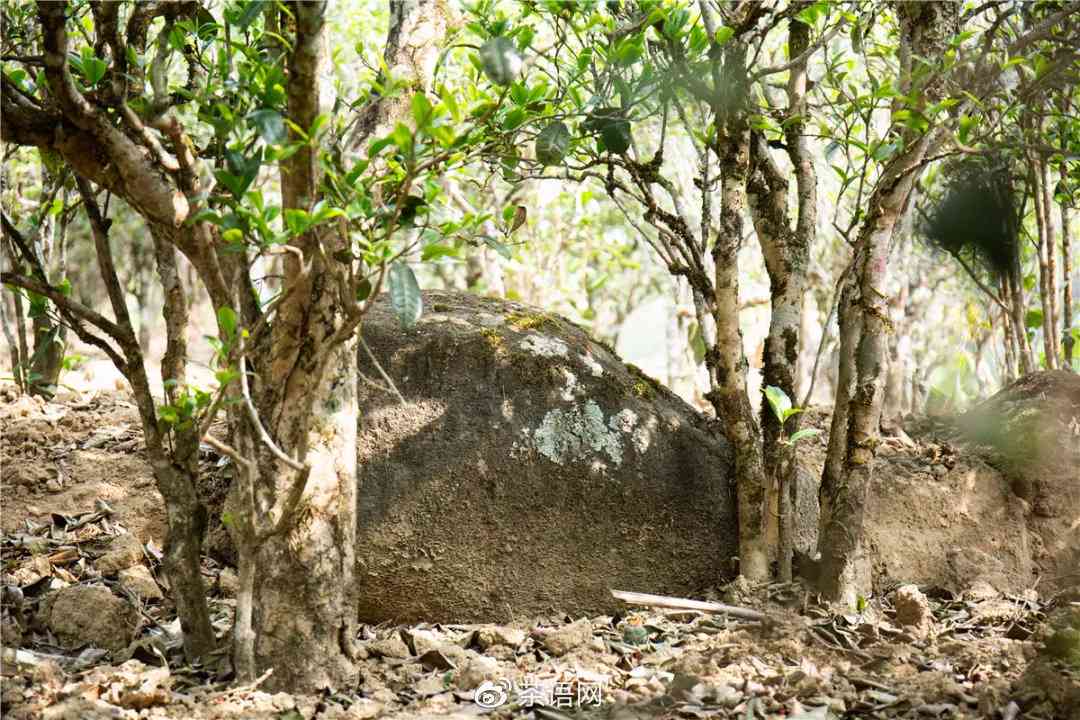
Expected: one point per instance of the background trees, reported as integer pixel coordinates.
(280, 183)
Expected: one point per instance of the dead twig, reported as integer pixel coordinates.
(664, 601)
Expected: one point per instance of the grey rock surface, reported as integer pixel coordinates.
(530, 471)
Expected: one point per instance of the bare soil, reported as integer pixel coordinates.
(987, 538)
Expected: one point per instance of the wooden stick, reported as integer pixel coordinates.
(663, 601)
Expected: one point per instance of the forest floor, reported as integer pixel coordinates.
(89, 633)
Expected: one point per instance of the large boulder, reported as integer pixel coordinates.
(529, 470)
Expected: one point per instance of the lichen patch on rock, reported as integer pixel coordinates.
(544, 346)
(576, 433)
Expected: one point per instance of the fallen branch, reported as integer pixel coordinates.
(664, 601)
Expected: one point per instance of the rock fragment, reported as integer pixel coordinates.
(92, 615)
(561, 640)
(124, 551)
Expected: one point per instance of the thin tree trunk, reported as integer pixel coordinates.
(1068, 341)
(48, 355)
(1019, 318)
(845, 573)
(1046, 255)
(832, 480)
(185, 515)
(177, 479)
(1051, 289)
(20, 333)
(1008, 336)
(13, 346)
(787, 259)
(728, 366)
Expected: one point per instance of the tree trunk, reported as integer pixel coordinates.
(1068, 341)
(297, 527)
(176, 475)
(925, 28)
(1019, 318)
(48, 357)
(1046, 255)
(831, 475)
(12, 343)
(1008, 337)
(306, 597)
(728, 366)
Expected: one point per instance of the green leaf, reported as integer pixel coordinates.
(886, 151)
(226, 318)
(811, 14)
(363, 290)
(297, 221)
(697, 343)
(803, 434)
(513, 119)
(435, 251)
(226, 376)
(233, 236)
(405, 296)
(451, 103)
(402, 137)
(723, 34)
(270, 124)
(252, 8)
(497, 247)
(421, 110)
(552, 144)
(317, 125)
(778, 401)
(967, 124)
(94, 69)
(1034, 318)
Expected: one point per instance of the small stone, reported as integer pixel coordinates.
(913, 609)
(124, 551)
(91, 615)
(561, 640)
(490, 636)
(424, 641)
(363, 709)
(389, 647)
(138, 580)
(476, 671)
(981, 590)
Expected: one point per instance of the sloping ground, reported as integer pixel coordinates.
(946, 514)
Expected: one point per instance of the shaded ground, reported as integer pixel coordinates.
(79, 513)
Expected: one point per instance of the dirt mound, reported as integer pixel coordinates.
(992, 495)
(1030, 432)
